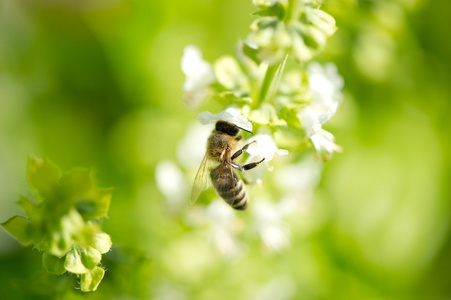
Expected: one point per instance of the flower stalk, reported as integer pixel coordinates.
(292, 11)
(270, 82)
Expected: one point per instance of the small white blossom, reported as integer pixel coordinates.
(264, 147)
(324, 143)
(232, 115)
(314, 116)
(199, 75)
(325, 86)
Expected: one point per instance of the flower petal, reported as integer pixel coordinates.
(324, 143)
(231, 115)
(264, 147)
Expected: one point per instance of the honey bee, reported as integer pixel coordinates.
(218, 163)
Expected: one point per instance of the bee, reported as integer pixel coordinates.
(218, 163)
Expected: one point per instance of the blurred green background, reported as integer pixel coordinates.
(97, 84)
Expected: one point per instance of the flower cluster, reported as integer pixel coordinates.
(291, 106)
(62, 222)
(286, 108)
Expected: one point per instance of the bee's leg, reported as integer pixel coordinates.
(252, 165)
(239, 152)
(246, 166)
(238, 167)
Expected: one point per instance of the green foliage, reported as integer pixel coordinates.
(54, 264)
(18, 227)
(64, 223)
(91, 280)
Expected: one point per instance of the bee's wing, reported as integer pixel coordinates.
(202, 180)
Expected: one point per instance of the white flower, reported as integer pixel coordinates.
(314, 116)
(325, 86)
(171, 182)
(324, 143)
(264, 147)
(199, 75)
(231, 115)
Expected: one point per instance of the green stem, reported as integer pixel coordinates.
(270, 82)
(274, 72)
(292, 11)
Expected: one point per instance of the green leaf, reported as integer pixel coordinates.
(42, 175)
(91, 280)
(30, 209)
(96, 206)
(18, 227)
(251, 52)
(229, 98)
(90, 257)
(274, 10)
(53, 264)
(73, 262)
(102, 242)
(290, 114)
(77, 183)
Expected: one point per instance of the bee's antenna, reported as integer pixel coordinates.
(245, 130)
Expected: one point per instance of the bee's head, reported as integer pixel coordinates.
(227, 128)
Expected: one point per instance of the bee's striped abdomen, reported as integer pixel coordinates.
(229, 187)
